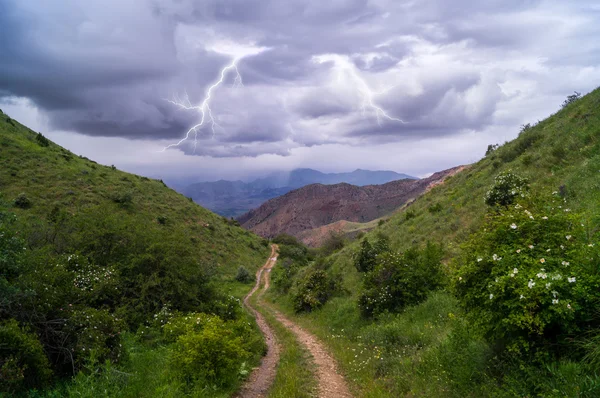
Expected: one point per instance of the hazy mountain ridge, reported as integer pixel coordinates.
(234, 198)
(317, 205)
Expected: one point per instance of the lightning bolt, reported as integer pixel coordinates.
(346, 68)
(204, 108)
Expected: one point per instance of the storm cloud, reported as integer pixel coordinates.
(314, 72)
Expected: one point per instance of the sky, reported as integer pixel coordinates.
(271, 85)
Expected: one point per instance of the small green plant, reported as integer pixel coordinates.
(243, 275)
(123, 198)
(162, 220)
(22, 201)
(571, 98)
(491, 148)
(436, 208)
(41, 140)
(409, 215)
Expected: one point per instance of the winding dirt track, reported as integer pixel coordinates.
(330, 383)
(262, 378)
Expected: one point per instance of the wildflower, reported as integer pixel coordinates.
(495, 257)
(554, 293)
(565, 263)
(515, 270)
(554, 301)
(491, 296)
(571, 280)
(479, 259)
(562, 247)
(569, 306)
(548, 285)
(542, 260)
(512, 275)
(518, 250)
(541, 275)
(460, 278)
(568, 237)
(531, 246)
(591, 245)
(522, 297)
(513, 226)
(544, 218)
(531, 284)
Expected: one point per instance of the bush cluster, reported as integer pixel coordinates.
(312, 290)
(400, 279)
(507, 187)
(530, 278)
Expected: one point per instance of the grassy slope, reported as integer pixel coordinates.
(428, 350)
(562, 150)
(52, 176)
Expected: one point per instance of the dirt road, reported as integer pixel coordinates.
(330, 383)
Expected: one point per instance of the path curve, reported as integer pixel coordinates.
(330, 383)
(262, 377)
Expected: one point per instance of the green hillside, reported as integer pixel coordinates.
(400, 328)
(96, 264)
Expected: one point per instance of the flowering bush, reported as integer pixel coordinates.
(399, 280)
(530, 277)
(507, 187)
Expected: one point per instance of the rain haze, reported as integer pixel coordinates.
(265, 85)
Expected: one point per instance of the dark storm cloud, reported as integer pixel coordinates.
(106, 68)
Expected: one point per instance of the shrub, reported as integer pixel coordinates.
(162, 220)
(23, 364)
(312, 291)
(491, 148)
(333, 243)
(123, 198)
(436, 208)
(41, 140)
(243, 275)
(399, 280)
(365, 258)
(507, 187)
(409, 215)
(22, 201)
(571, 98)
(529, 278)
(207, 350)
(283, 275)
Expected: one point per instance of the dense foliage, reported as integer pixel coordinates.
(400, 279)
(530, 278)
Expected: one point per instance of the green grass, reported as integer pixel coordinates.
(53, 177)
(123, 221)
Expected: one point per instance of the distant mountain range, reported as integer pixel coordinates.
(304, 212)
(234, 198)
